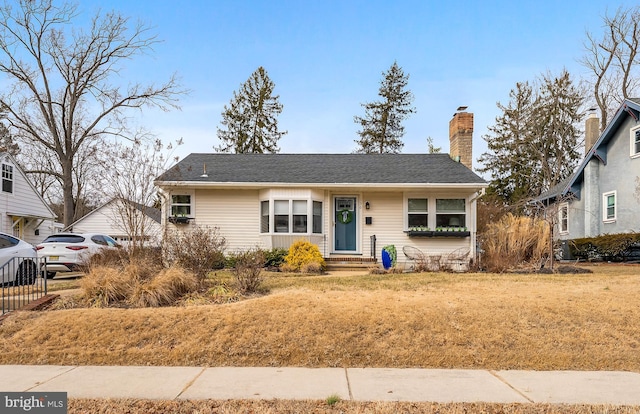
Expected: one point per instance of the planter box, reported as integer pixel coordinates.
(419, 233)
(451, 234)
(179, 220)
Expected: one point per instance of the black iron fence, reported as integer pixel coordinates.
(22, 281)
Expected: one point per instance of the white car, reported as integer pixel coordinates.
(18, 261)
(65, 252)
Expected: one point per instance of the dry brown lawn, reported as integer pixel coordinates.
(431, 320)
(487, 321)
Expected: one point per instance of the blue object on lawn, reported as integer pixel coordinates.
(386, 259)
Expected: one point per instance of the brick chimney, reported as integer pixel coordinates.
(461, 137)
(591, 131)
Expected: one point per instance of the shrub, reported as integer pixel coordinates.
(163, 289)
(515, 241)
(198, 250)
(104, 285)
(248, 270)
(302, 253)
(275, 257)
(606, 247)
(137, 284)
(287, 268)
(117, 257)
(311, 268)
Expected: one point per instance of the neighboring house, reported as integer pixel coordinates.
(350, 205)
(23, 212)
(603, 195)
(121, 219)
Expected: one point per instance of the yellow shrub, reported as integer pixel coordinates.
(302, 253)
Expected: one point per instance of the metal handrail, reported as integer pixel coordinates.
(22, 280)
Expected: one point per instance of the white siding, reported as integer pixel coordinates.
(106, 220)
(237, 215)
(387, 211)
(235, 212)
(24, 202)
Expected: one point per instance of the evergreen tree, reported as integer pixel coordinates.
(431, 148)
(250, 120)
(534, 143)
(381, 125)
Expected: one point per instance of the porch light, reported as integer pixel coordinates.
(367, 205)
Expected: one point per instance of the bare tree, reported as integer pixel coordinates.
(133, 192)
(64, 96)
(613, 61)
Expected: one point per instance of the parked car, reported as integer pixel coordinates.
(18, 261)
(65, 252)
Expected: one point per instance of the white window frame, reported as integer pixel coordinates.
(8, 174)
(563, 218)
(290, 213)
(191, 204)
(409, 213)
(632, 142)
(448, 212)
(605, 207)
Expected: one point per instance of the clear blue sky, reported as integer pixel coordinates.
(327, 57)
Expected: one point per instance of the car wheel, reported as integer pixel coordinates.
(51, 275)
(26, 274)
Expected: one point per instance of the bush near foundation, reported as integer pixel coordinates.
(247, 270)
(610, 247)
(303, 253)
(199, 249)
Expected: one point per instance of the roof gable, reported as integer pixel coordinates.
(8, 158)
(629, 108)
(151, 212)
(321, 169)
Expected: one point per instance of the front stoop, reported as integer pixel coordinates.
(350, 263)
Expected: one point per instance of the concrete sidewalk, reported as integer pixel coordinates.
(359, 384)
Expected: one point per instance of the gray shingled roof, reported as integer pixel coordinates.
(322, 169)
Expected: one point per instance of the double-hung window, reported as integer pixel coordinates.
(299, 216)
(317, 217)
(635, 142)
(609, 206)
(418, 212)
(7, 178)
(450, 212)
(264, 216)
(563, 218)
(181, 205)
(291, 216)
(281, 216)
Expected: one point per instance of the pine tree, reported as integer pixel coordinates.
(250, 120)
(381, 125)
(534, 143)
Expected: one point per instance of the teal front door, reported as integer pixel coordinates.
(346, 220)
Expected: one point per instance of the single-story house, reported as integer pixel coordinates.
(603, 195)
(349, 205)
(121, 220)
(23, 211)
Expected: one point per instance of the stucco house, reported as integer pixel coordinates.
(350, 205)
(23, 212)
(603, 195)
(120, 218)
